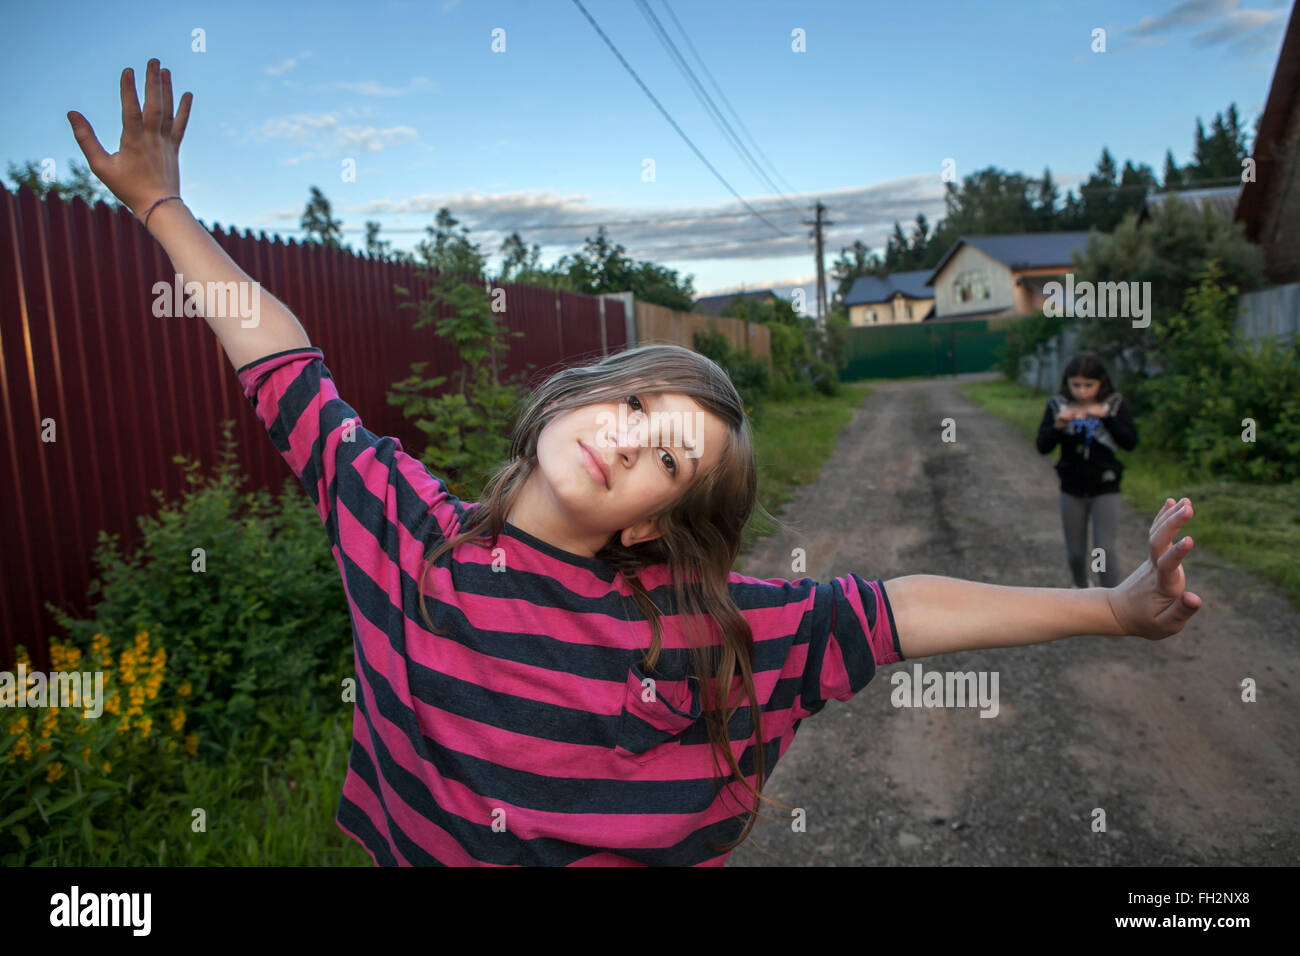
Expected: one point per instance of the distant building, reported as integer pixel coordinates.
(1222, 199)
(714, 304)
(889, 300)
(993, 277)
(1270, 206)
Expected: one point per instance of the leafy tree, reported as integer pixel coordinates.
(1046, 198)
(516, 257)
(1109, 195)
(1219, 155)
(854, 262)
(1171, 251)
(318, 224)
(469, 424)
(1173, 175)
(1213, 379)
(792, 344)
(604, 267)
(82, 183)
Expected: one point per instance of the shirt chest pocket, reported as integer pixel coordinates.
(656, 712)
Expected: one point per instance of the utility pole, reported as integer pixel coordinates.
(818, 224)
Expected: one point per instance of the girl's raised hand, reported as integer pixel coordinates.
(1153, 601)
(145, 167)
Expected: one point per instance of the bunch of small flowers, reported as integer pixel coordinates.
(48, 754)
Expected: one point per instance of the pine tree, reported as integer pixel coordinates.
(318, 224)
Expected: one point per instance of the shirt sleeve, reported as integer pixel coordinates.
(363, 486)
(827, 638)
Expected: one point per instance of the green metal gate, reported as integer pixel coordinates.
(924, 349)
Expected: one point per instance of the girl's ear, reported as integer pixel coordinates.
(644, 531)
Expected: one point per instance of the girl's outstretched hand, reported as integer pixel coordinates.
(1153, 602)
(145, 167)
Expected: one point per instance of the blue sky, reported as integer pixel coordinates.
(550, 136)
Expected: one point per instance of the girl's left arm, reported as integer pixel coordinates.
(938, 615)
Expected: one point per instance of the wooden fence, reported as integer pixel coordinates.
(99, 395)
(655, 323)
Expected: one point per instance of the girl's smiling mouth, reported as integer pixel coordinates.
(597, 467)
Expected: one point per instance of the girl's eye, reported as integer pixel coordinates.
(667, 459)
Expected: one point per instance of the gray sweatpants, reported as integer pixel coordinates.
(1105, 518)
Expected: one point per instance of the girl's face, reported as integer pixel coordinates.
(607, 467)
(1084, 389)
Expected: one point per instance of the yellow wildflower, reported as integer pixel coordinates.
(85, 755)
(124, 726)
(107, 766)
(44, 747)
(145, 726)
(19, 725)
(113, 704)
(54, 771)
(99, 644)
(184, 690)
(23, 748)
(191, 744)
(74, 657)
(178, 720)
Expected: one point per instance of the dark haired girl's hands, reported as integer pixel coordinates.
(145, 167)
(1153, 601)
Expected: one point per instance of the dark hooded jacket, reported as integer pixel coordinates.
(1088, 465)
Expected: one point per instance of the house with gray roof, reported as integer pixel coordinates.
(714, 304)
(994, 277)
(1222, 199)
(887, 300)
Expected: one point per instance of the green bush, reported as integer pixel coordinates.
(1213, 381)
(747, 373)
(263, 627)
(1025, 338)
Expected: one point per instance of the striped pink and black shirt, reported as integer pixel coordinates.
(526, 734)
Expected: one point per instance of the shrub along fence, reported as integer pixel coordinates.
(98, 394)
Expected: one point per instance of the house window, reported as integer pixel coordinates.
(970, 286)
(908, 310)
(871, 316)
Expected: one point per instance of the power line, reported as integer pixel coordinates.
(707, 102)
(723, 96)
(595, 26)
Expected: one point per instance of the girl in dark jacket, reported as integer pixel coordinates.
(1090, 421)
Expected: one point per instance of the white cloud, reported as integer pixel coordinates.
(327, 135)
(287, 65)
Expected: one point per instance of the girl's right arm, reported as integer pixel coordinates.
(145, 169)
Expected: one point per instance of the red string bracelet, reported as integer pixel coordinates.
(155, 206)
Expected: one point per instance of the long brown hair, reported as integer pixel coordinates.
(1086, 365)
(700, 533)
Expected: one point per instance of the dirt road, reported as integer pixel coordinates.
(1153, 733)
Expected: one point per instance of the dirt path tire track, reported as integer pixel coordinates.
(1155, 733)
